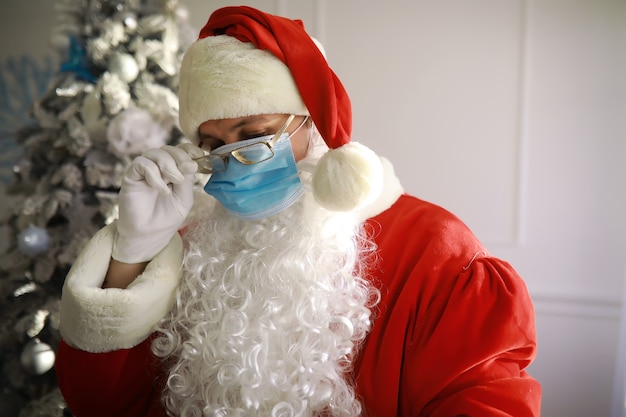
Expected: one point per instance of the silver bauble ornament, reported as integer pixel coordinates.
(33, 240)
(37, 357)
(129, 19)
(124, 66)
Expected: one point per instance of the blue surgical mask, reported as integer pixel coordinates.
(256, 191)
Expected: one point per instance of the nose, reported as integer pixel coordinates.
(229, 138)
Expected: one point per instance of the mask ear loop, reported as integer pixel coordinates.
(310, 135)
(310, 140)
(315, 149)
(278, 134)
(298, 128)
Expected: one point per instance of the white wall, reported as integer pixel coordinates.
(512, 114)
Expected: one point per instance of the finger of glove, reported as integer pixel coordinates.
(193, 150)
(183, 195)
(183, 157)
(146, 172)
(183, 191)
(158, 168)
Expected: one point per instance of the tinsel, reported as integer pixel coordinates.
(114, 96)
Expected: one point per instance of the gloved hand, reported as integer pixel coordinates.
(155, 198)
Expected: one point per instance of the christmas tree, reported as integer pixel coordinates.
(113, 97)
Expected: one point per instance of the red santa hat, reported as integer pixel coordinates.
(248, 62)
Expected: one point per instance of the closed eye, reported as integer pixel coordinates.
(253, 134)
(210, 144)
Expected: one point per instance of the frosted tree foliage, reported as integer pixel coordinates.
(113, 96)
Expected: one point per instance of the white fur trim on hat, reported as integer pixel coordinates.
(101, 320)
(347, 178)
(223, 78)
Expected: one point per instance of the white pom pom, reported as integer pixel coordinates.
(347, 178)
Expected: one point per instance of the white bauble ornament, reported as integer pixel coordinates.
(37, 357)
(129, 19)
(33, 240)
(124, 66)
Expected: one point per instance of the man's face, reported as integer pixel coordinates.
(215, 133)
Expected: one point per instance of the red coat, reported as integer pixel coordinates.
(452, 334)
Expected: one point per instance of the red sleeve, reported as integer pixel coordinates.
(454, 330)
(121, 383)
(467, 353)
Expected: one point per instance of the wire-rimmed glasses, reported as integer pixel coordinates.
(247, 154)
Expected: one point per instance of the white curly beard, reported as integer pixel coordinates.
(268, 315)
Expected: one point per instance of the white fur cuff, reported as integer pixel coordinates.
(101, 320)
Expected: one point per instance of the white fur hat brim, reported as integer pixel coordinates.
(223, 78)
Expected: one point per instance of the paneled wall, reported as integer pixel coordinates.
(512, 114)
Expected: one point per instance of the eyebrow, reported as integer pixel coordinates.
(241, 123)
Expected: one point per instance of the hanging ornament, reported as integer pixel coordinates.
(77, 62)
(33, 240)
(129, 19)
(37, 357)
(124, 66)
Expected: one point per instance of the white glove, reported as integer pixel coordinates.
(155, 198)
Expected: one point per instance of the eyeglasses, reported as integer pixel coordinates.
(246, 154)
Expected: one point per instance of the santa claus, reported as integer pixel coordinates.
(301, 281)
